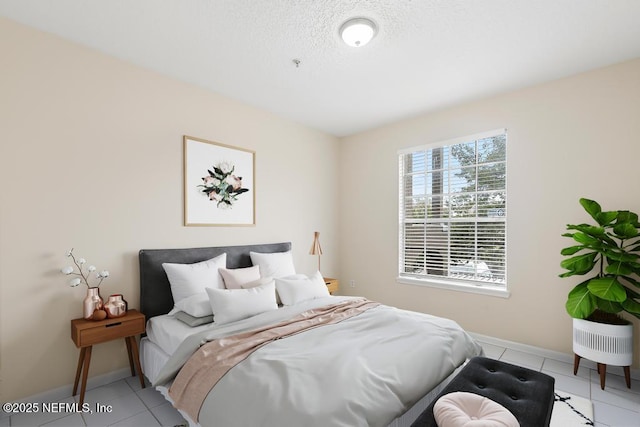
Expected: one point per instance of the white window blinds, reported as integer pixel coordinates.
(453, 210)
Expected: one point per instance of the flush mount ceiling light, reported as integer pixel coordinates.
(357, 32)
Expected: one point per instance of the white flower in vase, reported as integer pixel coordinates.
(83, 275)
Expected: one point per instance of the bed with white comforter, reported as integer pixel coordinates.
(364, 370)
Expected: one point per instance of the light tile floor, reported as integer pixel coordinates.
(134, 406)
(615, 406)
(131, 405)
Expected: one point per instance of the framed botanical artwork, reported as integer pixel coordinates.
(219, 184)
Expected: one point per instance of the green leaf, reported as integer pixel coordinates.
(586, 239)
(607, 288)
(580, 303)
(597, 233)
(619, 268)
(571, 250)
(587, 229)
(631, 306)
(580, 264)
(567, 274)
(625, 231)
(627, 217)
(592, 208)
(635, 266)
(608, 306)
(605, 218)
(616, 255)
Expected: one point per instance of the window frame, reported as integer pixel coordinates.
(445, 282)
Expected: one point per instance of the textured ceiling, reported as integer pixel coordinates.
(428, 54)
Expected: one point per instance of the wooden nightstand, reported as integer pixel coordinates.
(332, 284)
(86, 333)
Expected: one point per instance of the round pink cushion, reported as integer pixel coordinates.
(461, 409)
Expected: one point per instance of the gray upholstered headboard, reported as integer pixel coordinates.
(155, 291)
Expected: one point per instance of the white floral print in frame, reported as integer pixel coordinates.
(219, 184)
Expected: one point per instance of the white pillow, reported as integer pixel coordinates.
(295, 290)
(234, 279)
(191, 279)
(196, 305)
(277, 264)
(259, 282)
(229, 305)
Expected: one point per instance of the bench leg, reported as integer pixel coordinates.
(576, 363)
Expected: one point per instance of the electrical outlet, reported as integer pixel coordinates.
(352, 283)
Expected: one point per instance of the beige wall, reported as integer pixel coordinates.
(571, 138)
(91, 158)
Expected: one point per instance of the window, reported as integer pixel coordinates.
(453, 216)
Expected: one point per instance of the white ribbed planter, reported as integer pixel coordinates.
(603, 343)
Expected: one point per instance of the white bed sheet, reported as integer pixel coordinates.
(152, 358)
(167, 332)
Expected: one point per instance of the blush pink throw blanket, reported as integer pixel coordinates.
(214, 359)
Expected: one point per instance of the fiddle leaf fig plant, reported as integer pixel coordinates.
(610, 252)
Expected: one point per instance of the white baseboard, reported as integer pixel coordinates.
(60, 393)
(543, 352)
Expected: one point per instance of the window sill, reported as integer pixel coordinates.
(494, 291)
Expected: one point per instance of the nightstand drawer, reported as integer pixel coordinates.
(87, 332)
(332, 284)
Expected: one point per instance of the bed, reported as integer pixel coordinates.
(320, 361)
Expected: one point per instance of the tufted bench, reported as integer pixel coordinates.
(526, 393)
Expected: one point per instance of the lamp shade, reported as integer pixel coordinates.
(357, 32)
(315, 247)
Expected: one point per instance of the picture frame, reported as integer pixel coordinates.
(219, 184)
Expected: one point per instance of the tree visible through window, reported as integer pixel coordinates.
(453, 210)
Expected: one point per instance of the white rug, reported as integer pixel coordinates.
(570, 410)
